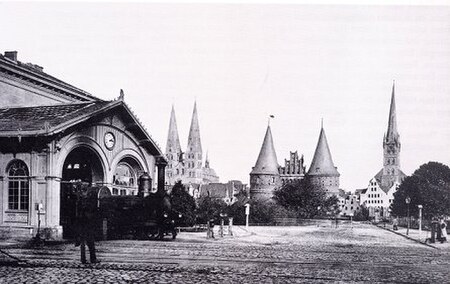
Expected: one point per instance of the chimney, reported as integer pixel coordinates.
(11, 55)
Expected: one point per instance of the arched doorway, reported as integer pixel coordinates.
(81, 165)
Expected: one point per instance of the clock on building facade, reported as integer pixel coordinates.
(110, 140)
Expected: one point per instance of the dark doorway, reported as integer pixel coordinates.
(81, 165)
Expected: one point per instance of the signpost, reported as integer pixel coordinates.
(351, 219)
(408, 200)
(420, 221)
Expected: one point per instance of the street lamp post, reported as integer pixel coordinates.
(408, 200)
(420, 221)
(247, 213)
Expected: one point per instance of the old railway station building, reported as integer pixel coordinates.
(53, 134)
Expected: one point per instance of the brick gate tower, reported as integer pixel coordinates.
(264, 177)
(322, 170)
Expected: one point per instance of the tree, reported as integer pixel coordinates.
(210, 208)
(183, 203)
(237, 209)
(362, 214)
(305, 199)
(428, 186)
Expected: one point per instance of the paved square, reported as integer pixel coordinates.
(315, 253)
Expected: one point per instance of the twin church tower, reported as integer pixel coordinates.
(187, 166)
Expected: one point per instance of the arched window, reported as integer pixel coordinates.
(18, 186)
(124, 175)
(125, 179)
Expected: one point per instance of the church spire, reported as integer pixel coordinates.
(173, 141)
(322, 163)
(206, 160)
(391, 172)
(267, 162)
(194, 142)
(392, 134)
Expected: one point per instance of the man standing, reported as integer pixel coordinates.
(86, 216)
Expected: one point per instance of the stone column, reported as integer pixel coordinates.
(4, 199)
(161, 163)
(53, 204)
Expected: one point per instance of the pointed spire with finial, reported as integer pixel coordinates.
(267, 162)
(173, 141)
(268, 120)
(122, 95)
(392, 134)
(194, 141)
(322, 163)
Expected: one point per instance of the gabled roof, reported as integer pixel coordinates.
(34, 74)
(342, 193)
(360, 191)
(267, 162)
(45, 120)
(217, 190)
(379, 178)
(54, 119)
(322, 163)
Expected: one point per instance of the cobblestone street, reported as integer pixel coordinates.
(321, 254)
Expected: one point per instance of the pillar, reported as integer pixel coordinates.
(161, 163)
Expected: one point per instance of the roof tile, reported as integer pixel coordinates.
(42, 117)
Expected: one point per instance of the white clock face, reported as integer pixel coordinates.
(110, 140)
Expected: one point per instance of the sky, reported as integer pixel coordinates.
(244, 62)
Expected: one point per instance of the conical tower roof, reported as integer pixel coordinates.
(173, 141)
(267, 162)
(392, 134)
(194, 142)
(322, 163)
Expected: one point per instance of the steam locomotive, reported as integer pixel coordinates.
(123, 216)
(137, 217)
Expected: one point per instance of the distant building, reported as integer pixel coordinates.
(223, 191)
(293, 169)
(241, 187)
(380, 191)
(187, 166)
(349, 204)
(193, 189)
(322, 171)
